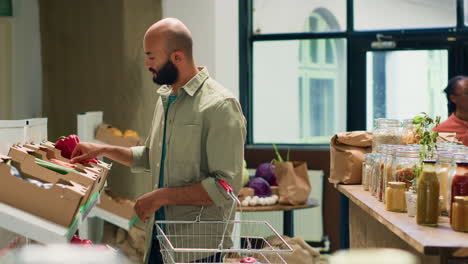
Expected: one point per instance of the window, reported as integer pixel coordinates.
(404, 14)
(310, 69)
(402, 84)
(310, 80)
(279, 16)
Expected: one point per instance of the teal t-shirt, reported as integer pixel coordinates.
(160, 213)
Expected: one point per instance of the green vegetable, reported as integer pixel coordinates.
(54, 167)
(278, 155)
(428, 138)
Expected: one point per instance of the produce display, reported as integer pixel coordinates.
(260, 201)
(114, 136)
(55, 166)
(14, 171)
(267, 172)
(426, 180)
(261, 186)
(78, 241)
(249, 260)
(127, 134)
(67, 144)
(245, 174)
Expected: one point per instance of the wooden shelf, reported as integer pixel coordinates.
(426, 240)
(33, 227)
(279, 207)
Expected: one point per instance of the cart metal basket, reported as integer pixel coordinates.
(199, 241)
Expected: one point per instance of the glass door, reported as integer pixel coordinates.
(403, 83)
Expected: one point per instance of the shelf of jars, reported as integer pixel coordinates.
(426, 240)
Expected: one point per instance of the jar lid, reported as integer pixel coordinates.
(408, 122)
(397, 185)
(386, 122)
(408, 153)
(461, 199)
(444, 155)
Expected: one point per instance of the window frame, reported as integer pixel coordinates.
(454, 39)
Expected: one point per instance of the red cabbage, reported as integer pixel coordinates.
(267, 172)
(261, 187)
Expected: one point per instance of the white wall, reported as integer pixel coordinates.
(27, 67)
(214, 27)
(20, 65)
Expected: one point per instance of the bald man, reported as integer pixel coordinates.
(196, 138)
(457, 102)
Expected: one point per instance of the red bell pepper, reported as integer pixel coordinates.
(67, 144)
(77, 240)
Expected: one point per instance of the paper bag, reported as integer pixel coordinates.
(293, 182)
(346, 156)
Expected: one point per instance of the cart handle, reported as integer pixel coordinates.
(229, 190)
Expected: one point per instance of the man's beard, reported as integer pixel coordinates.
(166, 75)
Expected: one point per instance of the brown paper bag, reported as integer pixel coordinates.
(302, 253)
(293, 182)
(347, 154)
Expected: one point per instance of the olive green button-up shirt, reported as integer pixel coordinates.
(205, 136)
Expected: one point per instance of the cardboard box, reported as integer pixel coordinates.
(25, 161)
(101, 168)
(117, 206)
(105, 135)
(46, 154)
(58, 204)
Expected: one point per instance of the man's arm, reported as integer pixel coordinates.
(194, 194)
(85, 150)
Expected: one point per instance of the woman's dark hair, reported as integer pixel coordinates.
(450, 89)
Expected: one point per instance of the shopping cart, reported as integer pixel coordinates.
(190, 241)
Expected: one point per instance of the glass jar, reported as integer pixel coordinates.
(408, 134)
(446, 146)
(387, 131)
(375, 174)
(388, 158)
(406, 165)
(380, 169)
(459, 157)
(427, 203)
(367, 170)
(459, 186)
(443, 164)
(395, 197)
(459, 217)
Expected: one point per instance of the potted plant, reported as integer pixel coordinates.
(427, 139)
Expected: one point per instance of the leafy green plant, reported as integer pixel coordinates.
(278, 155)
(427, 139)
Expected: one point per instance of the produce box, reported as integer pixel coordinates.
(24, 160)
(48, 154)
(59, 203)
(101, 167)
(106, 133)
(118, 206)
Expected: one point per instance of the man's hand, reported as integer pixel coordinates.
(148, 204)
(85, 151)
